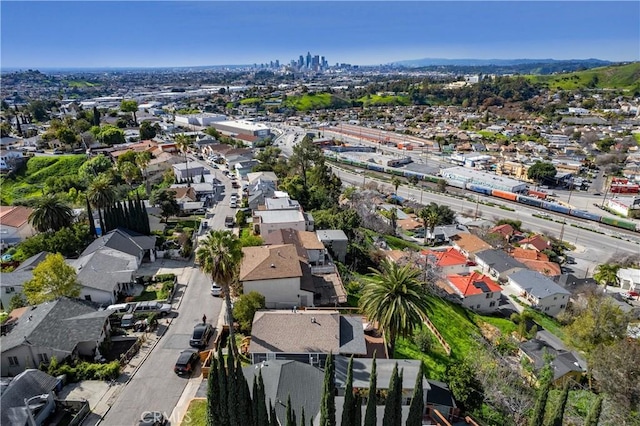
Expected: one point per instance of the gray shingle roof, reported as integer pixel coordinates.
(537, 284)
(103, 271)
(499, 260)
(32, 262)
(283, 378)
(15, 278)
(352, 335)
(60, 324)
(121, 240)
(384, 369)
(563, 362)
(25, 385)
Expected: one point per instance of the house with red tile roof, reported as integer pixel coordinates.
(528, 254)
(14, 225)
(546, 268)
(535, 242)
(477, 291)
(505, 230)
(448, 261)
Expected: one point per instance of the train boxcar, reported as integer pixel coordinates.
(456, 183)
(619, 223)
(537, 194)
(375, 167)
(529, 201)
(585, 215)
(555, 207)
(504, 194)
(478, 188)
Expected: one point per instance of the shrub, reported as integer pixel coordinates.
(245, 308)
(82, 370)
(164, 277)
(423, 339)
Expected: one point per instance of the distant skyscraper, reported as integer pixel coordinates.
(301, 61)
(308, 64)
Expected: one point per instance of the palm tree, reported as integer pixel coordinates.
(395, 298)
(219, 255)
(101, 195)
(607, 274)
(50, 214)
(183, 142)
(396, 183)
(142, 161)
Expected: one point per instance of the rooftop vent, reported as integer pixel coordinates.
(273, 265)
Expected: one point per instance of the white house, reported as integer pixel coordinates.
(266, 221)
(276, 273)
(629, 279)
(8, 159)
(476, 291)
(543, 294)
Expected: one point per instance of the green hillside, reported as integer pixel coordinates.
(377, 100)
(612, 77)
(315, 101)
(29, 182)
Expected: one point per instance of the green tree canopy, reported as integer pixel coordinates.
(148, 131)
(130, 106)
(94, 166)
(607, 274)
(165, 199)
(245, 308)
(52, 278)
(541, 171)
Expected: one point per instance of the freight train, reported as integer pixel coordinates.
(528, 200)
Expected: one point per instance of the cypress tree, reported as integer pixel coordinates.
(102, 229)
(558, 413)
(255, 400)
(263, 414)
(213, 397)
(303, 420)
(370, 417)
(348, 409)
(537, 416)
(357, 415)
(222, 389)
(92, 225)
(145, 217)
(290, 421)
(245, 408)
(127, 222)
(393, 406)
(232, 387)
(273, 419)
(122, 218)
(416, 409)
(328, 403)
(107, 219)
(134, 217)
(96, 117)
(594, 413)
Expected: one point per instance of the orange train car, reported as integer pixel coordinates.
(504, 194)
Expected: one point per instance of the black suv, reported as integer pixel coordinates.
(186, 362)
(201, 335)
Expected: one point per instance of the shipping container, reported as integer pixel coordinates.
(555, 207)
(619, 223)
(504, 194)
(538, 194)
(585, 215)
(480, 189)
(529, 201)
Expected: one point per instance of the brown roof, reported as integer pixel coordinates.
(530, 254)
(184, 191)
(505, 230)
(536, 241)
(550, 269)
(295, 332)
(270, 262)
(470, 243)
(14, 216)
(310, 240)
(146, 145)
(409, 223)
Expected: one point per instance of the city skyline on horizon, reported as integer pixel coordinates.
(192, 34)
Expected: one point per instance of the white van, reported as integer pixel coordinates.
(121, 308)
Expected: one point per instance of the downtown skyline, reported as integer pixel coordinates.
(173, 34)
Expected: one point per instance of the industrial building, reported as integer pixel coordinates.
(462, 175)
(204, 119)
(242, 127)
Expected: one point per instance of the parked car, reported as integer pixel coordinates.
(201, 335)
(152, 418)
(121, 307)
(229, 221)
(127, 321)
(630, 294)
(150, 306)
(216, 290)
(186, 363)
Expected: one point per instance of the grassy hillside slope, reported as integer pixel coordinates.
(28, 182)
(612, 77)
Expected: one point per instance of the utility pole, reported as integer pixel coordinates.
(475, 215)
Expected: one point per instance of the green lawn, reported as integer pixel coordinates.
(374, 100)
(400, 243)
(196, 414)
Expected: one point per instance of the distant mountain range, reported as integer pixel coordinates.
(429, 62)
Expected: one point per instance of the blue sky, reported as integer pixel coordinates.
(54, 34)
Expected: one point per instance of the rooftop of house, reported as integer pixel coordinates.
(264, 176)
(470, 243)
(448, 257)
(60, 324)
(505, 230)
(537, 241)
(384, 370)
(284, 378)
(472, 284)
(549, 269)
(303, 240)
(563, 361)
(104, 269)
(332, 235)
(498, 260)
(270, 262)
(279, 216)
(530, 254)
(281, 204)
(536, 284)
(307, 332)
(122, 240)
(25, 385)
(14, 216)
(184, 191)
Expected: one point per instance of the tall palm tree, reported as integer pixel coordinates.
(396, 183)
(219, 255)
(395, 298)
(50, 214)
(142, 161)
(101, 195)
(607, 274)
(184, 142)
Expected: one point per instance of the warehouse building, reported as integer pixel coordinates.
(242, 127)
(458, 176)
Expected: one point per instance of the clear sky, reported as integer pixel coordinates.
(53, 34)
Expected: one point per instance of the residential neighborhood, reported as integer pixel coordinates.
(445, 248)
